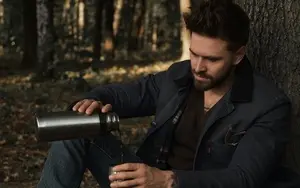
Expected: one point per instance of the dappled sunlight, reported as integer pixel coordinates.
(21, 99)
(119, 74)
(106, 75)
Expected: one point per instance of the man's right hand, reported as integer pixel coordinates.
(88, 106)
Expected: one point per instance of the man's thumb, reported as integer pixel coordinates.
(106, 108)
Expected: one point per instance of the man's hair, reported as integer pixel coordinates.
(221, 19)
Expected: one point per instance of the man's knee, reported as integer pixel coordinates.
(76, 145)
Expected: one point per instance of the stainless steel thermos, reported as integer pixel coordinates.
(52, 126)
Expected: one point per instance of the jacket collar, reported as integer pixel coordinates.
(242, 87)
(181, 73)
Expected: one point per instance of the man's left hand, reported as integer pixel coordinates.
(140, 175)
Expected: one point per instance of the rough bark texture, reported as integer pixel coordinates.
(274, 50)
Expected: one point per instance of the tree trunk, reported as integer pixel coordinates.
(174, 22)
(30, 34)
(98, 30)
(138, 8)
(139, 25)
(12, 27)
(185, 36)
(45, 40)
(124, 29)
(274, 50)
(109, 42)
(73, 25)
(148, 25)
(86, 19)
(132, 26)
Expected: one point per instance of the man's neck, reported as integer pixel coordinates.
(221, 90)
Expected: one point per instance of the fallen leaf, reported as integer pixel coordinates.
(2, 142)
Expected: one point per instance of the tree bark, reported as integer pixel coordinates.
(12, 26)
(140, 29)
(148, 26)
(185, 36)
(132, 27)
(98, 30)
(124, 28)
(30, 34)
(45, 41)
(274, 50)
(109, 42)
(174, 22)
(138, 7)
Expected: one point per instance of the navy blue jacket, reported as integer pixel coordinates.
(243, 139)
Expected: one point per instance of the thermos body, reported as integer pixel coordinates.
(52, 126)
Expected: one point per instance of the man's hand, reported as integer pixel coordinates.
(140, 175)
(88, 106)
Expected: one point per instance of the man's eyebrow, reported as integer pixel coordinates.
(192, 51)
(206, 57)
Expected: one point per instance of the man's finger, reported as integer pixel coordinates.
(106, 108)
(77, 105)
(126, 167)
(84, 105)
(94, 105)
(125, 175)
(128, 183)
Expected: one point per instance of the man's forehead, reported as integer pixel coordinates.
(203, 45)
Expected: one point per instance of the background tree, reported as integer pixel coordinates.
(45, 36)
(30, 34)
(109, 42)
(99, 4)
(274, 50)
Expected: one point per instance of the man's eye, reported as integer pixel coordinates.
(195, 55)
(212, 59)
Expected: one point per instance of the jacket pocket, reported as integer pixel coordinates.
(232, 137)
(221, 154)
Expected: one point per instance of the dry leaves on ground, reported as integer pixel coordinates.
(22, 157)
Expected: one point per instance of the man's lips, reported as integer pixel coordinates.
(200, 78)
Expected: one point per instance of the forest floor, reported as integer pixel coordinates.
(21, 155)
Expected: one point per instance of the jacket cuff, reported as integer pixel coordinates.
(180, 179)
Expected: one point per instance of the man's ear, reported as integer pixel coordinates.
(239, 55)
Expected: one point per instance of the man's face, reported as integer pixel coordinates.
(212, 63)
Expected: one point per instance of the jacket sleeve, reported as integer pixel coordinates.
(134, 99)
(258, 151)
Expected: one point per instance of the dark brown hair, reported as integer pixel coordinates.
(221, 19)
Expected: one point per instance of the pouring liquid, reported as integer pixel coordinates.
(121, 146)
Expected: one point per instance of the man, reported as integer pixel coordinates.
(236, 140)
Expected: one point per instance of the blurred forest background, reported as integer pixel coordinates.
(52, 51)
(88, 31)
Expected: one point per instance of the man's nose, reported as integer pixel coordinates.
(200, 65)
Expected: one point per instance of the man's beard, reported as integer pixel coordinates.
(211, 81)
